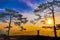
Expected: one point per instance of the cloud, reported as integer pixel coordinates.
(2, 9)
(49, 0)
(30, 16)
(29, 3)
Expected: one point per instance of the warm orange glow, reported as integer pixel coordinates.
(49, 21)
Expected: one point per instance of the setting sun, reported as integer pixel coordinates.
(49, 21)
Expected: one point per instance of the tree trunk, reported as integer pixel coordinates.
(54, 22)
(9, 28)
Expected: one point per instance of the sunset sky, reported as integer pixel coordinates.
(26, 8)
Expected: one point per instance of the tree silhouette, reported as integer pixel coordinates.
(58, 26)
(10, 14)
(50, 6)
(21, 21)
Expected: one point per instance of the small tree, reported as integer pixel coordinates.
(10, 14)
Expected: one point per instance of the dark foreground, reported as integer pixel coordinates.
(29, 38)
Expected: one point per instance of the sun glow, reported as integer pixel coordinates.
(49, 21)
